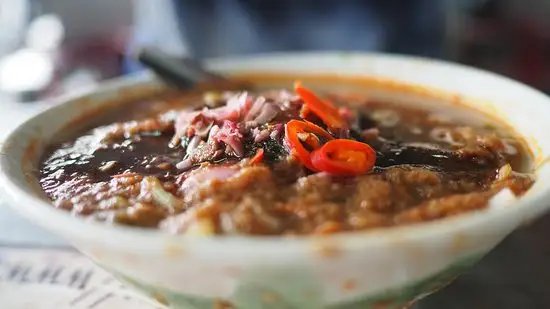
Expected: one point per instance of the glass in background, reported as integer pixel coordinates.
(62, 46)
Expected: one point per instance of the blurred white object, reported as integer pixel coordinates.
(13, 18)
(25, 70)
(45, 33)
(31, 68)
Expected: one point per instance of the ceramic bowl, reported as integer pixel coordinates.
(385, 268)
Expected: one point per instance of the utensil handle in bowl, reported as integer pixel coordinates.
(184, 73)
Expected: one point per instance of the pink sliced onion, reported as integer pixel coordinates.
(268, 112)
(213, 131)
(255, 132)
(240, 102)
(237, 148)
(261, 136)
(255, 109)
(193, 144)
(184, 120)
(203, 128)
(231, 136)
(236, 106)
(223, 113)
(184, 165)
(276, 131)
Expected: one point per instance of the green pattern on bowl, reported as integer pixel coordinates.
(255, 296)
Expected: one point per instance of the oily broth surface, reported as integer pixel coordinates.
(362, 98)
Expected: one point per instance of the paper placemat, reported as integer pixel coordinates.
(46, 278)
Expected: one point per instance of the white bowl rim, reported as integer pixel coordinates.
(38, 208)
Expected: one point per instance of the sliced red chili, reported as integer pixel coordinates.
(323, 109)
(344, 157)
(304, 111)
(298, 133)
(258, 157)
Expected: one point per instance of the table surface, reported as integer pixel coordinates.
(516, 275)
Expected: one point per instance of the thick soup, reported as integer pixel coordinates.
(283, 162)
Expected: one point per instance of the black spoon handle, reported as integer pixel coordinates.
(183, 73)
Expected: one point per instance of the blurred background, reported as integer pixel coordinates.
(48, 47)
